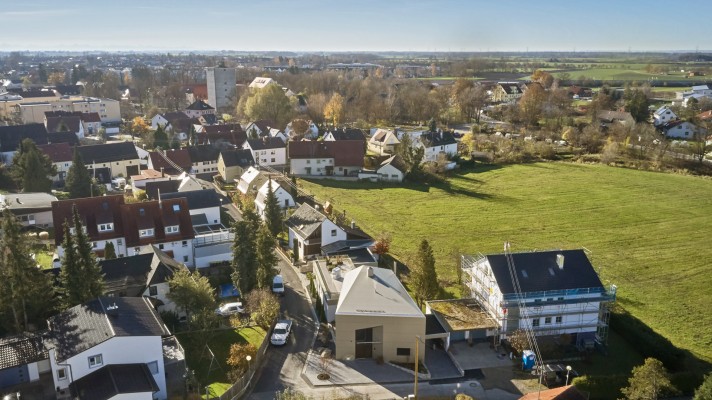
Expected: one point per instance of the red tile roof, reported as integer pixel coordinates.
(561, 393)
(57, 152)
(92, 212)
(180, 157)
(152, 214)
(344, 153)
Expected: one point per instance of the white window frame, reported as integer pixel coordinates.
(98, 360)
(153, 367)
(172, 229)
(150, 232)
(108, 227)
(61, 374)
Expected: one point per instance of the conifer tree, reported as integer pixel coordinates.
(78, 182)
(244, 254)
(273, 211)
(32, 169)
(109, 251)
(80, 275)
(424, 278)
(266, 259)
(160, 138)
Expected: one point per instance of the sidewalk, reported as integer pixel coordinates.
(354, 372)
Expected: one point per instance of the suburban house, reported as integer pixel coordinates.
(169, 120)
(251, 180)
(345, 134)
(681, 130)
(312, 132)
(204, 159)
(269, 151)
(220, 135)
(323, 158)
(233, 163)
(31, 209)
(309, 230)
(23, 359)
(376, 318)
(507, 92)
(261, 82)
(259, 128)
(436, 144)
(608, 117)
(560, 290)
(204, 204)
(199, 108)
(62, 156)
(276, 133)
(115, 159)
(66, 123)
(108, 348)
(142, 275)
(663, 115)
(392, 169)
(383, 141)
(11, 136)
(158, 161)
(569, 392)
(177, 160)
(148, 175)
(580, 93)
(132, 228)
(283, 195)
(329, 273)
(697, 92)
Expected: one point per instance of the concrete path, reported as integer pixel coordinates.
(440, 365)
(355, 372)
(478, 356)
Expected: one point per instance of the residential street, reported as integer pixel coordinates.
(284, 364)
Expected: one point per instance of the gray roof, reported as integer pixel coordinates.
(21, 350)
(242, 158)
(112, 380)
(539, 271)
(101, 153)
(381, 294)
(199, 219)
(397, 162)
(197, 199)
(345, 245)
(135, 273)
(305, 220)
(87, 325)
(27, 201)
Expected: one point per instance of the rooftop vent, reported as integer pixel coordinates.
(524, 274)
(370, 272)
(560, 261)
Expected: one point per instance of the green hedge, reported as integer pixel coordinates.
(687, 382)
(602, 387)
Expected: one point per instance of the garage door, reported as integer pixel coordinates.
(14, 376)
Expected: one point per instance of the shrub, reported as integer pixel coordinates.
(646, 341)
(686, 382)
(601, 386)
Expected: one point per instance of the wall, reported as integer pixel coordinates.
(162, 290)
(211, 213)
(397, 332)
(266, 157)
(118, 168)
(390, 173)
(326, 233)
(299, 166)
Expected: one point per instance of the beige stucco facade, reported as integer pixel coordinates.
(391, 335)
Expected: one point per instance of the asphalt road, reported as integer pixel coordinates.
(283, 365)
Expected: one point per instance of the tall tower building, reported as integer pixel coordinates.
(221, 87)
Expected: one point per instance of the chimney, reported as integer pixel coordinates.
(160, 203)
(560, 260)
(353, 224)
(370, 272)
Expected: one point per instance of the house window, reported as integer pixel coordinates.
(547, 320)
(120, 242)
(153, 367)
(308, 161)
(106, 227)
(145, 232)
(95, 361)
(273, 160)
(176, 207)
(160, 246)
(333, 232)
(550, 299)
(558, 320)
(402, 351)
(185, 258)
(535, 322)
(153, 291)
(141, 212)
(172, 229)
(62, 374)
(560, 299)
(318, 161)
(185, 243)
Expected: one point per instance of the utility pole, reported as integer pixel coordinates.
(415, 389)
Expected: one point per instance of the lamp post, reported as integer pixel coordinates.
(248, 358)
(568, 371)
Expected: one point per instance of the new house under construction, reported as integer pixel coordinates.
(560, 289)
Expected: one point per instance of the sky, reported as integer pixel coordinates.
(354, 25)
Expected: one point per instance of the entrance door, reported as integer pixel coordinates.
(364, 343)
(131, 170)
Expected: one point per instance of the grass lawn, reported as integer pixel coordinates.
(645, 230)
(198, 357)
(43, 256)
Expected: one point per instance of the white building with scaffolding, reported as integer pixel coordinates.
(560, 290)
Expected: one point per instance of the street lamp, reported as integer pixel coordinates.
(248, 358)
(568, 371)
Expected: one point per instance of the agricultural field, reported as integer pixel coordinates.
(645, 231)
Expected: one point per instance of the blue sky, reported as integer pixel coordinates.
(356, 25)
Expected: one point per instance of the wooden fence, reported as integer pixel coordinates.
(239, 388)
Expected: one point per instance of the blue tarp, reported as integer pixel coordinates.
(228, 290)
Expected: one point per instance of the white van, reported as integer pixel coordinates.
(278, 285)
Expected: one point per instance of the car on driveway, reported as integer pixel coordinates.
(280, 333)
(230, 309)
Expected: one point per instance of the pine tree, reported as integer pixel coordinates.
(91, 272)
(35, 178)
(266, 259)
(80, 275)
(160, 138)
(31, 168)
(109, 251)
(244, 254)
(192, 136)
(650, 381)
(26, 293)
(69, 274)
(273, 211)
(424, 278)
(78, 182)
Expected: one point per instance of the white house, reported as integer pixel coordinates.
(284, 197)
(251, 180)
(663, 115)
(681, 130)
(392, 169)
(261, 82)
(309, 230)
(95, 343)
(269, 151)
(312, 133)
(437, 144)
(31, 209)
(560, 290)
(383, 141)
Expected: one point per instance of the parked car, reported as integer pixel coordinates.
(278, 285)
(280, 333)
(230, 309)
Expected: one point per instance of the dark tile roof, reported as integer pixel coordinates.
(101, 153)
(151, 214)
(202, 153)
(21, 350)
(63, 137)
(87, 325)
(200, 105)
(237, 158)
(11, 136)
(169, 186)
(132, 275)
(538, 271)
(266, 143)
(91, 117)
(197, 199)
(113, 380)
(227, 133)
(180, 157)
(174, 116)
(264, 124)
(63, 124)
(349, 134)
(57, 152)
(432, 139)
(29, 94)
(344, 153)
(397, 162)
(69, 90)
(210, 119)
(305, 220)
(92, 211)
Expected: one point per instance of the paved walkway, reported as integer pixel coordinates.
(440, 365)
(478, 356)
(354, 372)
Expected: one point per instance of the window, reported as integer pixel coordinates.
(273, 160)
(333, 232)
(106, 227)
(318, 161)
(153, 367)
(185, 243)
(160, 246)
(172, 229)
(535, 322)
(547, 320)
(550, 299)
(93, 245)
(145, 232)
(558, 320)
(153, 291)
(120, 242)
(537, 300)
(402, 351)
(308, 161)
(141, 212)
(185, 258)
(560, 299)
(95, 361)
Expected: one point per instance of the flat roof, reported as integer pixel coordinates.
(462, 315)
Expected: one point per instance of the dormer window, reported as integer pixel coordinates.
(146, 232)
(176, 207)
(106, 227)
(172, 229)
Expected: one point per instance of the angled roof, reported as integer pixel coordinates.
(92, 211)
(165, 187)
(160, 163)
(11, 136)
(237, 158)
(227, 133)
(396, 161)
(538, 271)
(381, 135)
(264, 124)
(344, 152)
(113, 380)
(102, 153)
(197, 199)
(348, 134)
(135, 273)
(305, 220)
(57, 152)
(69, 90)
(266, 143)
(663, 109)
(63, 124)
(200, 105)
(432, 139)
(156, 216)
(561, 393)
(21, 350)
(85, 326)
(610, 116)
(18, 202)
(202, 153)
(180, 157)
(380, 294)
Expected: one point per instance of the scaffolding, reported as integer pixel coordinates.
(592, 305)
